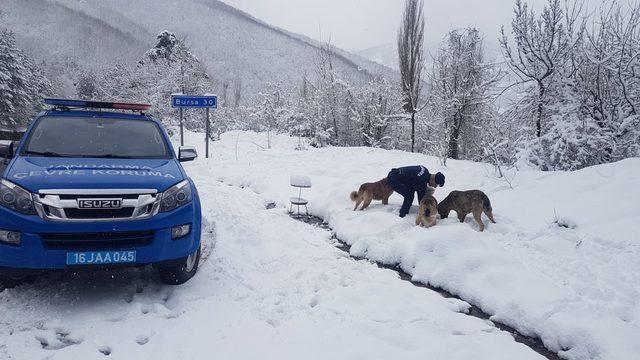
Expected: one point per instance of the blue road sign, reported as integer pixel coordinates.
(186, 101)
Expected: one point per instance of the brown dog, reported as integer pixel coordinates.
(428, 210)
(465, 202)
(379, 190)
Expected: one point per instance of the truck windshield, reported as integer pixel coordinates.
(96, 138)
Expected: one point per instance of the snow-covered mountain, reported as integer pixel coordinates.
(51, 31)
(386, 54)
(231, 43)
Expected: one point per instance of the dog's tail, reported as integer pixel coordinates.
(486, 204)
(354, 196)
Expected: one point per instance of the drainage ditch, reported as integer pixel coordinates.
(534, 343)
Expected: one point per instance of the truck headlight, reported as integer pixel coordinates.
(16, 198)
(176, 196)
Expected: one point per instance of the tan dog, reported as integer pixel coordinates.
(428, 211)
(379, 190)
(465, 202)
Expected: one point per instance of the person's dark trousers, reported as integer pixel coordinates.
(395, 181)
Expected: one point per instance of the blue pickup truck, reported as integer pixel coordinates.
(96, 184)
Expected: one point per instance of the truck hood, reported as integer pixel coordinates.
(39, 173)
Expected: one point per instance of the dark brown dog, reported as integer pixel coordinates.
(465, 202)
(379, 190)
(428, 211)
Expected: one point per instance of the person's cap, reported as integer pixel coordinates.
(440, 179)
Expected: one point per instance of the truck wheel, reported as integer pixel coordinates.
(7, 282)
(180, 274)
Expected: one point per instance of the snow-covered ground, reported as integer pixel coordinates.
(272, 287)
(269, 287)
(575, 286)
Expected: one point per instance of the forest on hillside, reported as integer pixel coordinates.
(576, 75)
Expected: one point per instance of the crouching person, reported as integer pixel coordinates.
(408, 180)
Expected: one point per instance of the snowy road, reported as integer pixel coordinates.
(273, 288)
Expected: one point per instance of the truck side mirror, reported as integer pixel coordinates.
(6, 149)
(187, 153)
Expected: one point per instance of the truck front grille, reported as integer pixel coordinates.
(64, 205)
(99, 214)
(96, 241)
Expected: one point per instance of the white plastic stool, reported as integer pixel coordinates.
(300, 182)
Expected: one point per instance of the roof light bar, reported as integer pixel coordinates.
(131, 106)
(96, 104)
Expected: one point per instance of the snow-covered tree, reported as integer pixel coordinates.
(542, 47)
(237, 91)
(591, 103)
(608, 80)
(169, 67)
(329, 89)
(374, 111)
(573, 141)
(87, 86)
(460, 88)
(411, 58)
(22, 84)
(272, 111)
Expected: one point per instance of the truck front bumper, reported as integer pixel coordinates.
(45, 244)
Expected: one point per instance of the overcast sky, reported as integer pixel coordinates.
(359, 24)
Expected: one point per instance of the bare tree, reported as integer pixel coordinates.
(237, 91)
(304, 89)
(328, 87)
(411, 59)
(460, 93)
(225, 89)
(609, 78)
(542, 45)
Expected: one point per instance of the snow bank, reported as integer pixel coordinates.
(562, 263)
(272, 288)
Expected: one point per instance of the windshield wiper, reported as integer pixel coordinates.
(45, 153)
(109, 156)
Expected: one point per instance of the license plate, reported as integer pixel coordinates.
(101, 257)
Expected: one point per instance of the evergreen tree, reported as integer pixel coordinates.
(87, 86)
(22, 84)
(169, 67)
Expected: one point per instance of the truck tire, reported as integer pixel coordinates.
(7, 282)
(180, 274)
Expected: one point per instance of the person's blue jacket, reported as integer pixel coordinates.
(408, 180)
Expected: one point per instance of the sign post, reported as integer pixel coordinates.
(206, 136)
(206, 102)
(181, 129)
